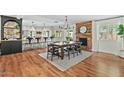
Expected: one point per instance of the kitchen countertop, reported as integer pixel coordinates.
(11, 40)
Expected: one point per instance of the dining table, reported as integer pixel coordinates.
(62, 44)
(0, 44)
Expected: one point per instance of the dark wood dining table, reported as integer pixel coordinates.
(0, 44)
(61, 45)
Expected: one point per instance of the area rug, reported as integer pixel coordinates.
(66, 63)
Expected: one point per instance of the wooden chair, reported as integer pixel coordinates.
(77, 48)
(53, 51)
(69, 50)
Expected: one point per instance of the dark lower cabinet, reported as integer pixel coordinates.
(9, 47)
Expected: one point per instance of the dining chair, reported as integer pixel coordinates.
(52, 51)
(77, 48)
(69, 50)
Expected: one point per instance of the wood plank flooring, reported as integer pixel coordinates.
(30, 64)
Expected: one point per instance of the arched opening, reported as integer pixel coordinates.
(11, 30)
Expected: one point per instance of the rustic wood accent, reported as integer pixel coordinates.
(30, 64)
(87, 35)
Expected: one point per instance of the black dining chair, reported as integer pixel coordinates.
(69, 50)
(77, 48)
(52, 51)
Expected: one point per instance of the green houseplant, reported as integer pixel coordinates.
(120, 31)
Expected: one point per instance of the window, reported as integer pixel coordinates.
(107, 29)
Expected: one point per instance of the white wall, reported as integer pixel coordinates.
(108, 46)
(94, 37)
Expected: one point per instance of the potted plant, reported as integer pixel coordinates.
(120, 32)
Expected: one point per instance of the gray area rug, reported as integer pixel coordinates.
(66, 63)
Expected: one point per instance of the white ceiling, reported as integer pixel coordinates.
(52, 20)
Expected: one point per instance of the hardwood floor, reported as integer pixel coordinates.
(30, 64)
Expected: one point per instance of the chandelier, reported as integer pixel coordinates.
(33, 27)
(66, 25)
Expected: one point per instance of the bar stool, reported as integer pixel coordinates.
(38, 40)
(29, 44)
